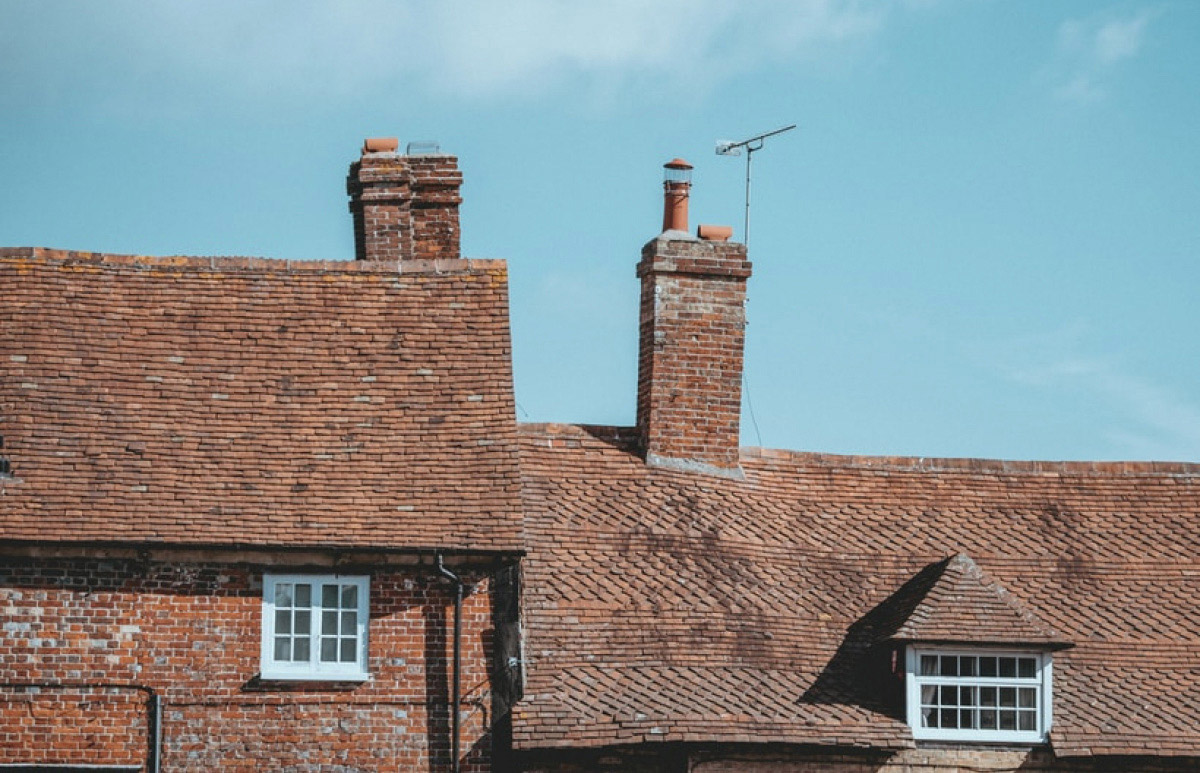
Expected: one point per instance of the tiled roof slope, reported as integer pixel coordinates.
(669, 606)
(962, 604)
(257, 402)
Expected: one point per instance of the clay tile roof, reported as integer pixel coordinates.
(962, 604)
(671, 606)
(256, 402)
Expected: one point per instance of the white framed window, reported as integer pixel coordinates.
(978, 694)
(315, 626)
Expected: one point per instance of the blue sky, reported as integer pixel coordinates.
(982, 240)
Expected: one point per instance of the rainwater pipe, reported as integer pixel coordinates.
(456, 691)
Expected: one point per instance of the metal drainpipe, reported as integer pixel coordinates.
(154, 756)
(457, 694)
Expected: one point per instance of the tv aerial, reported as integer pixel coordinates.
(727, 148)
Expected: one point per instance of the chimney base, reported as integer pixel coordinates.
(687, 465)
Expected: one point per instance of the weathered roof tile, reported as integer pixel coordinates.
(725, 610)
(257, 402)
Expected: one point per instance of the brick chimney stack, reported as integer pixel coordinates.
(405, 206)
(691, 338)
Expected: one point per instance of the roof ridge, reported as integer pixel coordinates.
(47, 256)
(970, 464)
(553, 430)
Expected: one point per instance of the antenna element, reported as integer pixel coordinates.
(728, 148)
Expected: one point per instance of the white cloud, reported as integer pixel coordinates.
(1145, 419)
(1120, 39)
(468, 49)
(1089, 50)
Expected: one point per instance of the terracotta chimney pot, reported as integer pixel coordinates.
(715, 233)
(380, 145)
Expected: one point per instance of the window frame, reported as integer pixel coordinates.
(313, 669)
(1042, 681)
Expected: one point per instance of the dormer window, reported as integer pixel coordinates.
(978, 694)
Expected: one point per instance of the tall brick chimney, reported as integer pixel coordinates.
(691, 337)
(405, 206)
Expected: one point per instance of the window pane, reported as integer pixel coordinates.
(968, 666)
(949, 665)
(313, 621)
(967, 696)
(1008, 666)
(987, 666)
(987, 719)
(949, 695)
(966, 718)
(929, 717)
(929, 665)
(928, 694)
(1027, 697)
(1028, 720)
(1008, 720)
(987, 696)
(1027, 667)
(949, 717)
(1008, 697)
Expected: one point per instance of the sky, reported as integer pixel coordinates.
(981, 240)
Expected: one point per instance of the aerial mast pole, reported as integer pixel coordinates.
(726, 148)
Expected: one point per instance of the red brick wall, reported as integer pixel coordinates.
(766, 758)
(692, 330)
(405, 207)
(191, 632)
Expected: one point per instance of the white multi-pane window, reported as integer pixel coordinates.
(979, 695)
(314, 626)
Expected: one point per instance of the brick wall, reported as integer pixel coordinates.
(754, 758)
(405, 207)
(99, 635)
(935, 760)
(692, 331)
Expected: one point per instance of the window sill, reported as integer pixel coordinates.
(1014, 738)
(276, 680)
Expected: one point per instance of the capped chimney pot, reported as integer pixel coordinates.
(677, 182)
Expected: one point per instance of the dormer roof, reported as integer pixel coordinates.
(961, 604)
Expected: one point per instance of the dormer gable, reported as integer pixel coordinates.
(962, 604)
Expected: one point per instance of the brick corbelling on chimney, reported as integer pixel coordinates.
(692, 331)
(405, 207)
